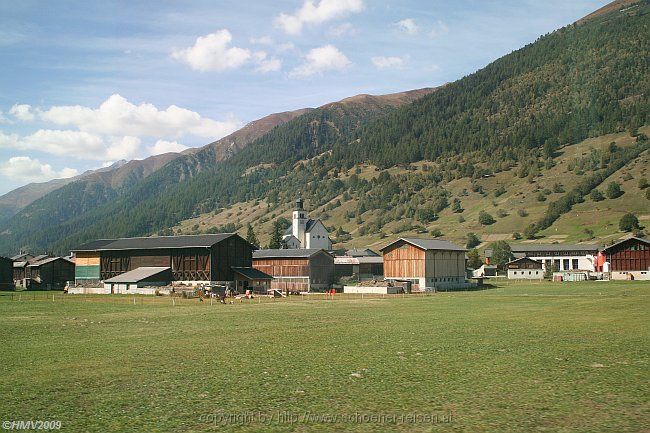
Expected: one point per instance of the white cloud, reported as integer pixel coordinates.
(213, 53)
(73, 144)
(408, 25)
(439, 29)
(316, 13)
(382, 62)
(344, 29)
(25, 169)
(118, 117)
(262, 40)
(162, 146)
(319, 60)
(22, 112)
(287, 46)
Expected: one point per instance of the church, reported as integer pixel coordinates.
(305, 233)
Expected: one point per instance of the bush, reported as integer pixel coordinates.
(614, 190)
(530, 232)
(643, 183)
(502, 213)
(596, 195)
(516, 236)
(500, 191)
(558, 188)
(629, 223)
(522, 213)
(436, 233)
(541, 197)
(472, 240)
(485, 218)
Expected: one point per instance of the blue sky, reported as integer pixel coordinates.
(87, 83)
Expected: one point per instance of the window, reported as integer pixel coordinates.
(574, 264)
(565, 264)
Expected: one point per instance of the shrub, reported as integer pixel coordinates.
(628, 223)
(596, 195)
(530, 232)
(614, 190)
(558, 188)
(522, 213)
(436, 233)
(485, 218)
(541, 197)
(643, 183)
(472, 240)
(502, 213)
(500, 191)
(516, 236)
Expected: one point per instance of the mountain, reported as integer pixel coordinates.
(17, 199)
(80, 203)
(515, 146)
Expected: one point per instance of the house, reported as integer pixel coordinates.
(560, 257)
(49, 273)
(305, 232)
(296, 270)
(193, 259)
(628, 259)
(485, 271)
(6, 274)
(525, 268)
(139, 281)
(361, 267)
(429, 264)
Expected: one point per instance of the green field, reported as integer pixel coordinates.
(515, 357)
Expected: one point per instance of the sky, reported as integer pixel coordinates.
(84, 84)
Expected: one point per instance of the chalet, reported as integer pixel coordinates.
(6, 274)
(49, 273)
(525, 268)
(305, 232)
(193, 259)
(21, 261)
(296, 270)
(628, 259)
(560, 257)
(429, 264)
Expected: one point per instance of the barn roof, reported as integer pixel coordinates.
(645, 241)
(428, 244)
(534, 248)
(252, 273)
(47, 260)
(524, 259)
(138, 274)
(287, 253)
(364, 252)
(149, 243)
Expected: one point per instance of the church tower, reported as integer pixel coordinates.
(299, 222)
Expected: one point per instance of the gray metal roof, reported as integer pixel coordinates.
(361, 252)
(286, 253)
(47, 260)
(138, 274)
(148, 243)
(252, 273)
(533, 248)
(428, 244)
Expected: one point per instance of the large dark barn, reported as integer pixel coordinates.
(629, 259)
(199, 258)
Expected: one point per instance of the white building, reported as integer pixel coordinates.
(525, 269)
(305, 233)
(560, 257)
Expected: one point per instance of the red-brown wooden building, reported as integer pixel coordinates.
(296, 270)
(6, 274)
(629, 259)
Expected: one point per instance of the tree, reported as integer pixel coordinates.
(485, 218)
(276, 236)
(426, 215)
(474, 259)
(629, 223)
(530, 232)
(501, 253)
(456, 206)
(472, 240)
(436, 233)
(613, 190)
(596, 195)
(250, 236)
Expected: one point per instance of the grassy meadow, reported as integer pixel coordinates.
(514, 357)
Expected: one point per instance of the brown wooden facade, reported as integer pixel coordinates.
(298, 274)
(630, 255)
(6, 273)
(196, 263)
(49, 274)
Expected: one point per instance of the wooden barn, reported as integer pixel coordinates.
(51, 273)
(6, 274)
(525, 268)
(296, 270)
(359, 267)
(206, 258)
(628, 259)
(429, 264)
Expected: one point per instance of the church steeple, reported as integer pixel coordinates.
(299, 222)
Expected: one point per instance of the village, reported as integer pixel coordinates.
(225, 263)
